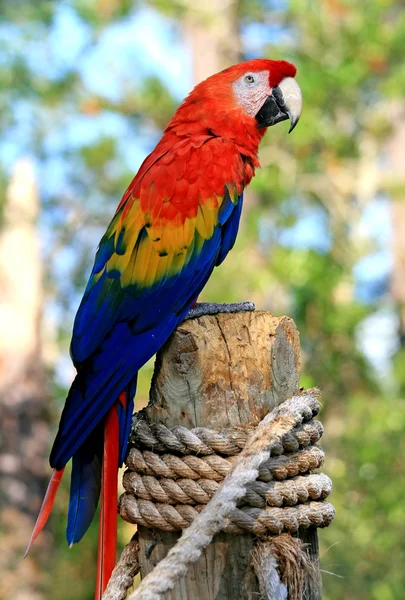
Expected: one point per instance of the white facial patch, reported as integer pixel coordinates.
(251, 95)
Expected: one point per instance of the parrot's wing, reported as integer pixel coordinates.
(153, 261)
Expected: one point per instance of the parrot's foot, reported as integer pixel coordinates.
(213, 308)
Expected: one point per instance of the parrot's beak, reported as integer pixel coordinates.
(284, 103)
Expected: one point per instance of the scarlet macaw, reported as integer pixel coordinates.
(177, 220)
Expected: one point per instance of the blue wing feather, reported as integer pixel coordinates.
(125, 418)
(230, 231)
(125, 330)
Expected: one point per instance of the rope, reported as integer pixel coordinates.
(215, 467)
(124, 572)
(258, 494)
(272, 521)
(265, 566)
(168, 491)
(204, 442)
(282, 554)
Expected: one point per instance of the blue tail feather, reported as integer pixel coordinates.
(85, 485)
(85, 482)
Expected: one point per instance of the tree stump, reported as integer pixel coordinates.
(220, 371)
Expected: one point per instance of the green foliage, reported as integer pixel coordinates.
(365, 544)
(399, 370)
(100, 14)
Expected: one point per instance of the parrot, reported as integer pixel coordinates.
(176, 222)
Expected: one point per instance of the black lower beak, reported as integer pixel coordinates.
(270, 113)
(275, 110)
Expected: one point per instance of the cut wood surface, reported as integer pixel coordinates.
(219, 371)
(225, 370)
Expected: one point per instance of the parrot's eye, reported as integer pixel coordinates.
(249, 79)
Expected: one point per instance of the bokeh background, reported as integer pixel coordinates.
(86, 88)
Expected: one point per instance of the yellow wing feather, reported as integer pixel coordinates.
(147, 250)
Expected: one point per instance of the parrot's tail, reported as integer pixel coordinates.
(46, 507)
(85, 484)
(107, 533)
(94, 467)
(116, 432)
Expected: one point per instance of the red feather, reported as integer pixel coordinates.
(46, 507)
(107, 534)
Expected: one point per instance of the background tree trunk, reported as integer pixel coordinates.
(24, 420)
(396, 153)
(212, 29)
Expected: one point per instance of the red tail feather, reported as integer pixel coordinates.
(107, 535)
(46, 507)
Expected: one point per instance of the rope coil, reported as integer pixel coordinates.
(272, 520)
(258, 494)
(237, 481)
(204, 442)
(215, 467)
(167, 490)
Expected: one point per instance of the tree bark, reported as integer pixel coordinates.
(24, 420)
(226, 370)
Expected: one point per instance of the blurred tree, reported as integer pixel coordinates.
(396, 157)
(23, 391)
(396, 154)
(212, 32)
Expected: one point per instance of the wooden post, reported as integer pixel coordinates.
(220, 371)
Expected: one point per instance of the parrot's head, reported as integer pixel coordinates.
(267, 91)
(243, 100)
